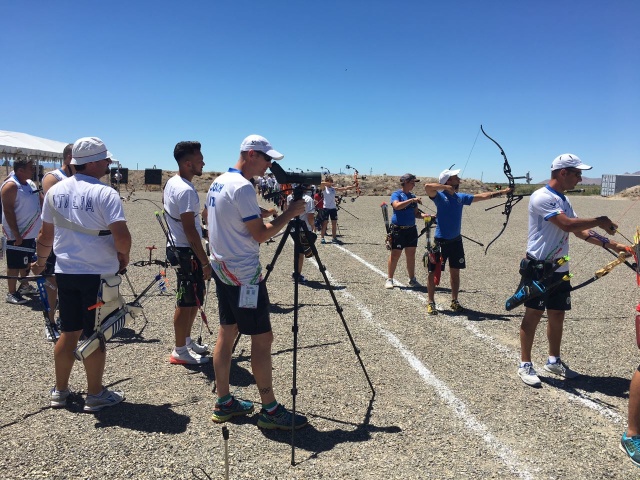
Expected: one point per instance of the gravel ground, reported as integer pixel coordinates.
(447, 404)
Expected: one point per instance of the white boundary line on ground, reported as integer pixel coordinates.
(579, 395)
(507, 455)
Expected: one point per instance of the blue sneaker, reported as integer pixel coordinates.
(222, 413)
(280, 419)
(631, 446)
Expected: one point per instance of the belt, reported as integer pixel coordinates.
(403, 227)
(445, 241)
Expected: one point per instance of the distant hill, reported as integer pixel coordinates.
(595, 181)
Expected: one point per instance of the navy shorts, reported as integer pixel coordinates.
(76, 293)
(452, 250)
(20, 259)
(250, 321)
(557, 298)
(403, 237)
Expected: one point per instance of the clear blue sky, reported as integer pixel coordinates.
(388, 86)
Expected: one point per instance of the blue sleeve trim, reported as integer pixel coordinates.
(554, 214)
(252, 217)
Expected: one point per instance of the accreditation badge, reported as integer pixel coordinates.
(248, 296)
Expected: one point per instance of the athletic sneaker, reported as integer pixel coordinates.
(200, 349)
(388, 283)
(301, 278)
(16, 299)
(106, 398)
(27, 289)
(528, 375)
(280, 419)
(456, 307)
(631, 446)
(323, 241)
(222, 413)
(414, 283)
(59, 398)
(561, 369)
(431, 309)
(48, 336)
(187, 358)
(335, 241)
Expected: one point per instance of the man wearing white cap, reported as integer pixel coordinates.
(236, 230)
(551, 219)
(449, 203)
(91, 239)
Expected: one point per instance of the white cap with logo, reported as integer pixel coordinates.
(260, 144)
(568, 160)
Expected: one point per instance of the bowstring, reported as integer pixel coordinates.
(467, 215)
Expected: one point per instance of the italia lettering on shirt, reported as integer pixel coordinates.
(77, 202)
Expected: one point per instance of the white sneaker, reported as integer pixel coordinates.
(106, 398)
(561, 369)
(388, 283)
(414, 283)
(187, 358)
(198, 348)
(16, 299)
(528, 375)
(27, 289)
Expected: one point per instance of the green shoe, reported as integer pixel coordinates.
(222, 413)
(281, 419)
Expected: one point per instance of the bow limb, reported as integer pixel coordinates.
(506, 169)
(622, 257)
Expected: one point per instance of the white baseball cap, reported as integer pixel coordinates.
(446, 175)
(260, 144)
(89, 149)
(568, 160)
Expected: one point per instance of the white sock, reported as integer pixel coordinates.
(553, 359)
(187, 341)
(181, 350)
(522, 364)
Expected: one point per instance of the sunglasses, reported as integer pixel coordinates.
(575, 171)
(265, 156)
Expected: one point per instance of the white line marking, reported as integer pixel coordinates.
(508, 456)
(576, 395)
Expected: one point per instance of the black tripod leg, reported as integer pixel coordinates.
(294, 328)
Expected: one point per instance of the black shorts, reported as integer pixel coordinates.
(452, 250)
(330, 213)
(20, 259)
(76, 293)
(190, 286)
(557, 298)
(320, 215)
(299, 247)
(403, 237)
(250, 321)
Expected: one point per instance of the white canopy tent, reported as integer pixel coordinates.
(39, 149)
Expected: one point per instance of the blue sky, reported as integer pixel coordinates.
(386, 86)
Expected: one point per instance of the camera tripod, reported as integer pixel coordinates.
(298, 229)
